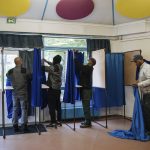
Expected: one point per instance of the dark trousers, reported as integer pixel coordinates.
(146, 111)
(86, 96)
(54, 104)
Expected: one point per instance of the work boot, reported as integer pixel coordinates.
(83, 122)
(24, 128)
(85, 125)
(52, 125)
(59, 123)
(16, 128)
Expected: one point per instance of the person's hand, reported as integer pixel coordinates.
(44, 60)
(2, 50)
(76, 51)
(135, 84)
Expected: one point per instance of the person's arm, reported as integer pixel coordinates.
(48, 62)
(9, 74)
(147, 75)
(50, 69)
(29, 75)
(78, 65)
(46, 68)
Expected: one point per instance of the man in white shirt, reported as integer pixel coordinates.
(144, 84)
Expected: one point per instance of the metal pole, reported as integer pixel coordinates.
(65, 114)
(36, 121)
(113, 12)
(3, 92)
(93, 114)
(74, 116)
(124, 111)
(39, 120)
(39, 115)
(106, 109)
(44, 10)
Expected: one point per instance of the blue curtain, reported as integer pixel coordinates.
(96, 44)
(80, 57)
(69, 92)
(9, 101)
(137, 131)
(99, 97)
(114, 83)
(36, 100)
(115, 79)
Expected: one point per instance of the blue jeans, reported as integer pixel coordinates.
(17, 102)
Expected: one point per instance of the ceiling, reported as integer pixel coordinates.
(102, 12)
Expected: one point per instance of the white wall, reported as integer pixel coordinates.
(55, 27)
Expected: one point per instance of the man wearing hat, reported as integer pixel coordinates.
(144, 84)
(85, 75)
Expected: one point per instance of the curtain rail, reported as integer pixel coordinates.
(64, 35)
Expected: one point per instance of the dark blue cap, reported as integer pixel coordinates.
(137, 57)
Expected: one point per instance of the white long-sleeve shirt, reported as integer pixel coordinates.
(144, 78)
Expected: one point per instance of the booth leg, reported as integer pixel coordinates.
(74, 120)
(36, 126)
(3, 92)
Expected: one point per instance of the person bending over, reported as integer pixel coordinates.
(144, 84)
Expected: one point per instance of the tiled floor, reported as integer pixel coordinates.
(63, 138)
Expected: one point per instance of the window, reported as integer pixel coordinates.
(64, 42)
(60, 46)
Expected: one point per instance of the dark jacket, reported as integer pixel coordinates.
(54, 76)
(85, 74)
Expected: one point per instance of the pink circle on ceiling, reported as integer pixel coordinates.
(74, 9)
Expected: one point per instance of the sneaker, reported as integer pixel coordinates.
(24, 128)
(59, 123)
(16, 128)
(85, 125)
(83, 122)
(52, 125)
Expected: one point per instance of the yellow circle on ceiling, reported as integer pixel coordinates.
(133, 8)
(12, 8)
